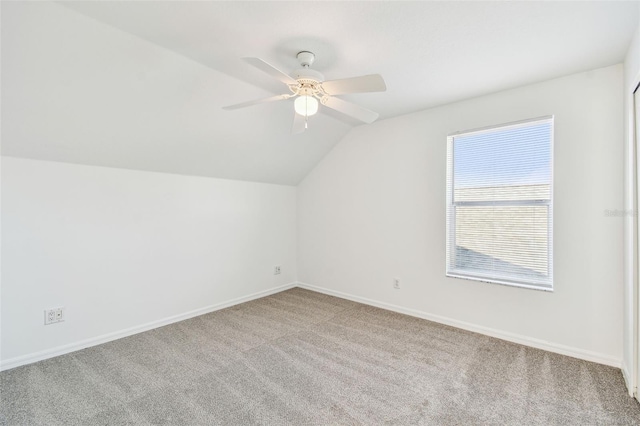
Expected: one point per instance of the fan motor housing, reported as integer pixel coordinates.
(307, 74)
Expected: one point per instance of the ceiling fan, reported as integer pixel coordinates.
(309, 88)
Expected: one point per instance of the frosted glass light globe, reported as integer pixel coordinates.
(306, 105)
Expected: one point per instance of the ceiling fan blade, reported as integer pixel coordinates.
(271, 70)
(258, 101)
(365, 83)
(299, 124)
(351, 110)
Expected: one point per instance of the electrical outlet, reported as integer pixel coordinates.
(396, 283)
(53, 315)
(276, 270)
(49, 316)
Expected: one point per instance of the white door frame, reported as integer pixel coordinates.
(634, 142)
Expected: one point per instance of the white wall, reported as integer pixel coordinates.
(631, 78)
(374, 209)
(120, 249)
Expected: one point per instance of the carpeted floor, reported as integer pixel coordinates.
(303, 358)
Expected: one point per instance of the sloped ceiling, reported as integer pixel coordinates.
(141, 84)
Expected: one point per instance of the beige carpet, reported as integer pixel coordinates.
(303, 358)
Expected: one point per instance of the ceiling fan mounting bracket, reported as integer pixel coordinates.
(306, 58)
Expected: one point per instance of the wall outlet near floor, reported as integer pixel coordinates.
(396, 283)
(53, 315)
(276, 270)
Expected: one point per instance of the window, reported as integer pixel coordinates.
(500, 204)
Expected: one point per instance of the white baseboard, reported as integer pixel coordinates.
(76, 346)
(511, 337)
(504, 335)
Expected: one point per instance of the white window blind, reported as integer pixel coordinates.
(500, 204)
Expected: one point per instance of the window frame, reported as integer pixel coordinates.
(452, 204)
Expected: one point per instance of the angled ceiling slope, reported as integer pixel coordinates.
(140, 85)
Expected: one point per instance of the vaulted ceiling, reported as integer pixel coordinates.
(141, 84)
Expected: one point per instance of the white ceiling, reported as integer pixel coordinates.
(145, 90)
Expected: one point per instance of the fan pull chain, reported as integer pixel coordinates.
(306, 111)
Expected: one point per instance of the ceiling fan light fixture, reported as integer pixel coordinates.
(309, 88)
(306, 105)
